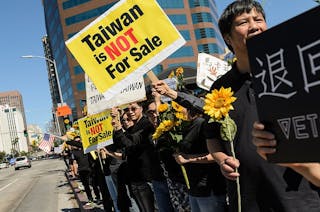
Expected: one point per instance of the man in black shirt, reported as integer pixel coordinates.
(137, 150)
(264, 186)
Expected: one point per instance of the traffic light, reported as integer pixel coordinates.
(67, 123)
(25, 133)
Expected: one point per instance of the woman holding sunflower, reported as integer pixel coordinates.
(206, 184)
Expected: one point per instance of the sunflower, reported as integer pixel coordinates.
(179, 71)
(164, 126)
(181, 115)
(163, 107)
(218, 103)
(177, 107)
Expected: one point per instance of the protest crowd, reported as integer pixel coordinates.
(171, 155)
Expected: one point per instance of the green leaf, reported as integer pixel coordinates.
(228, 129)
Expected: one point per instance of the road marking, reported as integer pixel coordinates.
(4, 187)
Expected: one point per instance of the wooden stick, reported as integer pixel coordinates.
(152, 76)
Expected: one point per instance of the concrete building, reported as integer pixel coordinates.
(14, 99)
(12, 130)
(195, 19)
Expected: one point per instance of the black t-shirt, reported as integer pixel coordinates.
(204, 178)
(264, 186)
(138, 150)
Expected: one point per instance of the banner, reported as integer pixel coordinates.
(286, 80)
(209, 69)
(96, 102)
(124, 43)
(96, 131)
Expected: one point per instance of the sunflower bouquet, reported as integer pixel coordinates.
(171, 114)
(217, 105)
(173, 118)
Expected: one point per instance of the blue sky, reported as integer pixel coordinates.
(22, 24)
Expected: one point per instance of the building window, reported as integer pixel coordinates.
(204, 33)
(72, 3)
(157, 69)
(198, 3)
(178, 19)
(185, 34)
(185, 51)
(210, 48)
(88, 14)
(201, 17)
(81, 86)
(169, 4)
(72, 34)
(78, 70)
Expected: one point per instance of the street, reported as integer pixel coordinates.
(43, 187)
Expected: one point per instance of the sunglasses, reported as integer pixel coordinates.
(133, 109)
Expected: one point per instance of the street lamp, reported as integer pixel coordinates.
(55, 71)
(57, 79)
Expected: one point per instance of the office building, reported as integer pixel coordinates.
(12, 139)
(195, 19)
(14, 99)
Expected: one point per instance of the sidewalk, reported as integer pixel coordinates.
(81, 196)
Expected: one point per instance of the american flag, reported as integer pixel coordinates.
(47, 142)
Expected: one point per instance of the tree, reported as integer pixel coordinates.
(2, 155)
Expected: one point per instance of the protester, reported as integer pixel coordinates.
(264, 186)
(124, 199)
(98, 171)
(65, 152)
(83, 166)
(137, 148)
(207, 185)
(266, 144)
(159, 183)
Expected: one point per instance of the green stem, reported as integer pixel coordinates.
(237, 180)
(185, 176)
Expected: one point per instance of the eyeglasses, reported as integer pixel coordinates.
(133, 109)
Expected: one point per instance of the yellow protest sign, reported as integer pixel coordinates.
(96, 131)
(124, 43)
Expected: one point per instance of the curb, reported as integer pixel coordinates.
(81, 198)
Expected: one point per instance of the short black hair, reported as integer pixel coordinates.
(232, 11)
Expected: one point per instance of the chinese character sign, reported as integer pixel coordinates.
(285, 63)
(124, 43)
(209, 69)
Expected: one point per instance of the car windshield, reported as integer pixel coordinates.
(18, 159)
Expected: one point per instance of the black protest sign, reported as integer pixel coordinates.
(285, 63)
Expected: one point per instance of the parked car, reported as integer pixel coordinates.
(4, 165)
(22, 161)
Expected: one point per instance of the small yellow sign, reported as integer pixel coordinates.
(124, 43)
(96, 131)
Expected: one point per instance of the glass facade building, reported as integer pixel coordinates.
(196, 20)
